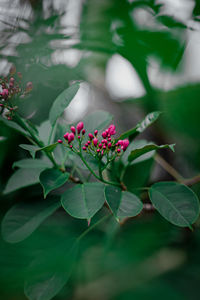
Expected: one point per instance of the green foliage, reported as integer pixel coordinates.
(122, 204)
(83, 201)
(25, 217)
(175, 202)
(52, 179)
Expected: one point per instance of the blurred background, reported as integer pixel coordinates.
(131, 57)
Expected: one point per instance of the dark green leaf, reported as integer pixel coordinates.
(61, 102)
(31, 148)
(14, 126)
(122, 204)
(50, 271)
(140, 151)
(140, 127)
(52, 179)
(23, 218)
(22, 178)
(44, 131)
(29, 163)
(48, 148)
(84, 200)
(175, 202)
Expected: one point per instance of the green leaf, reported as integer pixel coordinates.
(14, 126)
(97, 120)
(31, 148)
(140, 151)
(28, 163)
(83, 200)
(49, 148)
(122, 204)
(50, 271)
(44, 131)
(52, 179)
(140, 127)
(24, 218)
(61, 102)
(22, 178)
(175, 202)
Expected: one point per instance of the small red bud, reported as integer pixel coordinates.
(100, 145)
(83, 131)
(60, 141)
(84, 148)
(95, 132)
(90, 136)
(73, 129)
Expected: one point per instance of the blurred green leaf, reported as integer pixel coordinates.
(140, 127)
(29, 163)
(2, 138)
(24, 218)
(138, 152)
(30, 148)
(97, 120)
(49, 272)
(83, 200)
(49, 148)
(175, 202)
(22, 178)
(14, 126)
(52, 179)
(61, 102)
(122, 204)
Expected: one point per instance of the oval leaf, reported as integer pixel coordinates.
(97, 120)
(50, 271)
(22, 178)
(28, 163)
(84, 200)
(22, 219)
(30, 148)
(175, 202)
(52, 179)
(122, 204)
(138, 152)
(61, 102)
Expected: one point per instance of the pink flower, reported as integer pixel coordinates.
(70, 137)
(125, 144)
(90, 136)
(73, 129)
(104, 134)
(66, 135)
(79, 127)
(95, 142)
(111, 129)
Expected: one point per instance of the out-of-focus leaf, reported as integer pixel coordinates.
(44, 131)
(24, 218)
(140, 127)
(49, 148)
(14, 126)
(61, 102)
(84, 200)
(122, 204)
(52, 179)
(29, 163)
(31, 148)
(50, 271)
(22, 178)
(138, 152)
(175, 202)
(2, 138)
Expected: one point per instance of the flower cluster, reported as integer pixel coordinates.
(97, 145)
(11, 86)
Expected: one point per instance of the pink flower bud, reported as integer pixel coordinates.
(86, 145)
(5, 93)
(79, 137)
(70, 146)
(1, 105)
(95, 132)
(98, 150)
(102, 152)
(104, 146)
(66, 135)
(118, 150)
(120, 142)
(109, 145)
(95, 142)
(70, 137)
(125, 144)
(100, 145)
(60, 141)
(104, 134)
(84, 148)
(88, 142)
(79, 126)
(109, 139)
(12, 79)
(90, 136)
(111, 129)
(29, 86)
(9, 118)
(73, 129)
(104, 142)
(83, 131)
